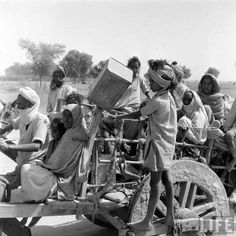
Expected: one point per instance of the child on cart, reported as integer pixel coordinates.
(160, 142)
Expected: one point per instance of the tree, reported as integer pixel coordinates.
(77, 65)
(42, 56)
(187, 72)
(95, 70)
(213, 71)
(18, 69)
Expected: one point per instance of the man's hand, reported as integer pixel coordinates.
(3, 145)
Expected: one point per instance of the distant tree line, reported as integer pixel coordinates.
(42, 57)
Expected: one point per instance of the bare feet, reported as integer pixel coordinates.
(141, 226)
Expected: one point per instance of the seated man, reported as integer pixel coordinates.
(34, 136)
(33, 143)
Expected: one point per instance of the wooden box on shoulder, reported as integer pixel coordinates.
(110, 85)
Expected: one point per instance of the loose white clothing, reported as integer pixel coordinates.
(55, 95)
(162, 130)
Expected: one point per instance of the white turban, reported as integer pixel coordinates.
(27, 115)
(157, 76)
(30, 95)
(179, 72)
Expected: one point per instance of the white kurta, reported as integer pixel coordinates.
(55, 95)
(162, 130)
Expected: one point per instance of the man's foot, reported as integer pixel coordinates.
(169, 221)
(141, 226)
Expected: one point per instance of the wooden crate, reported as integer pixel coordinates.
(110, 84)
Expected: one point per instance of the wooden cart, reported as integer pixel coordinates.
(196, 187)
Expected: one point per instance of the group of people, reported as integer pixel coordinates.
(51, 155)
(58, 167)
(176, 111)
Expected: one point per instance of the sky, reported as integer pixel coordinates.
(196, 33)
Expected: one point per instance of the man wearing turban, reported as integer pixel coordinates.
(33, 142)
(58, 90)
(33, 128)
(160, 141)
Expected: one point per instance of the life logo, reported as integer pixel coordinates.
(218, 226)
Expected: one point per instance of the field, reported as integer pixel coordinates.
(9, 89)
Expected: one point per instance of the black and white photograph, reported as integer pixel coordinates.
(117, 118)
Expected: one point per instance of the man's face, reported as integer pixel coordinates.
(56, 81)
(135, 68)
(23, 103)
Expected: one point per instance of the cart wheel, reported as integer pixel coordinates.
(196, 187)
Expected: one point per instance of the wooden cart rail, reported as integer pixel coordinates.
(54, 208)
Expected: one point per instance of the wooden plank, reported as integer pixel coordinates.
(184, 191)
(209, 215)
(158, 229)
(191, 196)
(11, 210)
(115, 221)
(52, 208)
(203, 208)
(161, 207)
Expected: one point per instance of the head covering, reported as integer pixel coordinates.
(215, 99)
(27, 115)
(62, 71)
(76, 113)
(194, 105)
(196, 120)
(214, 82)
(30, 95)
(164, 77)
(68, 148)
(178, 70)
(74, 97)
